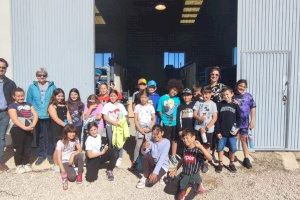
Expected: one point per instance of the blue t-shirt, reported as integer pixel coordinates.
(168, 107)
(153, 100)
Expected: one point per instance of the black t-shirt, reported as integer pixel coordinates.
(192, 160)
(185, 117)
(23, 109)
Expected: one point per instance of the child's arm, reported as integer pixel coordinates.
(153, 120)
(88, 111)
(252, 118)
(146, 147)
(91, 154)
(198, 118)
(107, 119)
(35, 116)
(206, 154)
(53, 115)
(79, 150)
(59, 161)
(137, 124)
(212, 121)
(174, 172)
(69, 118)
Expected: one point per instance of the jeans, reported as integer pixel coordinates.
(227, 141)
(45, 143)
(4, 121)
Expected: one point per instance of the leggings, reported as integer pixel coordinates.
(71, 173)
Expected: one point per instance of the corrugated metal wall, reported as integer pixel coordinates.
(268, 48)
(57, 35)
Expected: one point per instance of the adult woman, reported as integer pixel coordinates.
(214, 83)
(39, 94)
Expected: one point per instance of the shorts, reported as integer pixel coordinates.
(209, 137)
(170, 133)
(243, 131)
(227, 141)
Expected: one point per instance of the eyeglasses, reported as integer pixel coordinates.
(42, 75)
(214, 74)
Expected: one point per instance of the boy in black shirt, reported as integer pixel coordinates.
(193, 157)
(227, 127)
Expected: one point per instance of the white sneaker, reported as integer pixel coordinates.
(161, 181)
(119, 162)
(142, 183)
(20, 169)
(27, 168)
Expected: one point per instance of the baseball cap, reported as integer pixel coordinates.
(187, 91)
(142, 81)
(151, 83)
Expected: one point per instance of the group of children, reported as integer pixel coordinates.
(170, 131)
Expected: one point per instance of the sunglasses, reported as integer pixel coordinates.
(42, 75)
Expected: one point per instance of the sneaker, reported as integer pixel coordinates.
(3, 167)
(50, 160)
(232, 167)
(119, 162)
(20, 169)
(39, 160)
(219, 168)
(162, 179)
(110, 175)
(79, 179)
(56, 169)
(27, 168)
(65, 183)
(201, 188)
(174, 160)
(142, 183)
(247, 163)
(132, 168)
(204, 167)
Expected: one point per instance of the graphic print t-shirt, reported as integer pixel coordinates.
(168, 107)
(23, 110)
(114, 111)
(144, 113)
(185, 117)
(206, 109)
(192, 160)
(66, 150)
(216, 90)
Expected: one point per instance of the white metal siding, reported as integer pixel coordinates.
(57, 35)
(272, 25)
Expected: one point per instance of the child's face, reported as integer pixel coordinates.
(189, 140)
(113, 97)
(71, 135)
(241, 88)
(74, 96)
(157, 135)
(173, 92)
(19, 97)
(206, 96)
(227, 96)
(93, 131)
(103, 89)
(59, 97)
(151, 90)
(197, 94)
(144, 99)
(142, 86)
(187, 98)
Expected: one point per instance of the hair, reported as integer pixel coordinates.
(4, 61)
(103, 83)
(215, 68)
(69, 128)
(53, 97)
(91, 124)
(144, 92)
(41, 71)
(78, 101)
(241, 81)
(175, 83)
(76, 91)
(158, 127)
(188, 131)
(206, 89)
(113, 91)
(91, 98)
(196, 87)
(18, 89)
(227, 89)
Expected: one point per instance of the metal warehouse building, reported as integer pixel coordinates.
(61, 35)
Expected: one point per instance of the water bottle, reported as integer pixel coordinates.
(203, 135)
(251, 140)
(234, 129)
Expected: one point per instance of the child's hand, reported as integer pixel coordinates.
(251, 125)
(173, 173)
(28, 128)
(219, 135)
(146, 145)
(71, 160)
(202, 130)
(117, 123)
(99, 117)
(198, 144)
(104, 150)
(93, 106)
(153, 178)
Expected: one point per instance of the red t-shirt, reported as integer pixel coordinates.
(105, 99)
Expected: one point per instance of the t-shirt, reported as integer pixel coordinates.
(206, 108)
(185, 117)
(76, 110)
(105, 99)
(43, 89)
(168, 107)
(144, 113)
(216, 90)
(114, 111)
(153, 100)
(246, 103)
(23, 111)
(96, 111)
(192, 160)
(66, 150)
(93, 143)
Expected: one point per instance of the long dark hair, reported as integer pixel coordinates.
(53, 97)
(78, 101)
(69, 128)
(92, 99)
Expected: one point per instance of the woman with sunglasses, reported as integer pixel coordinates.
(39, 94)
(215, 85)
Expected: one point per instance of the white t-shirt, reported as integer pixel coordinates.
(207, 108)
(93, 143)
(114, 111)
(66, 150)
(144, 113)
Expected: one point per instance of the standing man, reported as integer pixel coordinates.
(6, 88)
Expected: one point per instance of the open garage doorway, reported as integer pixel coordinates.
(160, 44)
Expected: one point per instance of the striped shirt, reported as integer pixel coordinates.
(192, 160)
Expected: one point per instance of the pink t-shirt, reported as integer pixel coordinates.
(94, 113)
(66, 150)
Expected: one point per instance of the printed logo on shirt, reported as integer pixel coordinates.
(189, 159)
(114, 114)
(24, 110)
(186, 113)
(227, 108)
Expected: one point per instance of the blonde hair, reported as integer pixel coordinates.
(41, 71)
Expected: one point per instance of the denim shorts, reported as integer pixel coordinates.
(243, 131)
(229, 142)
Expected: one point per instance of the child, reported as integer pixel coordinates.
(24, 117)
(68, 156)
(193, 157)
(205, 114)
(144, 120)
(92, 112)
(227, 127)
(59, 115)
(248, 108)
(75, 107)
(184, 119)
(113, 112)
(156, 159)
(97, 154)
(103, 96)
(142, 85)
(197, 95)
(153, 96)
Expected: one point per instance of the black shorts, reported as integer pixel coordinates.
(209, 137)
(170, 133)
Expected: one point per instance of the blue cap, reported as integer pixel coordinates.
(151, 83)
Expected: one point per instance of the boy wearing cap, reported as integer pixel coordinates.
(142, 85)
(153, 97)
